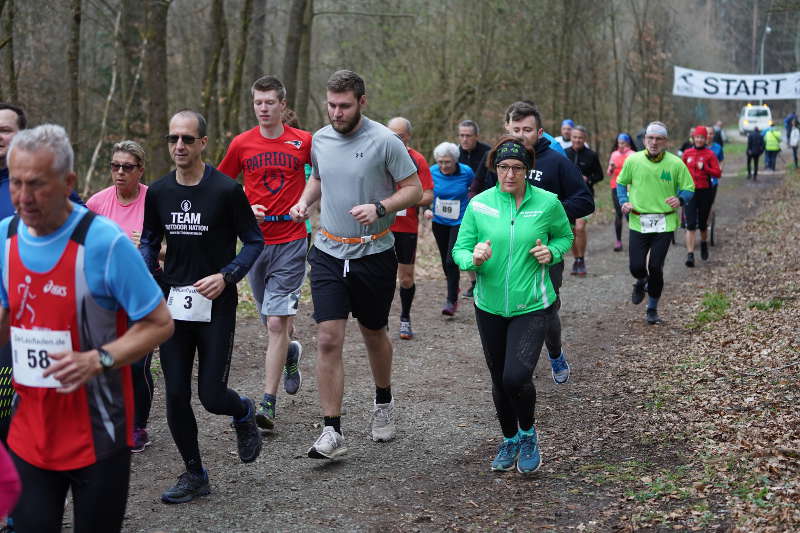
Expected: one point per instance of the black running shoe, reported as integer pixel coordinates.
(188, 487)
(704, 250)
(248, 438)
(638, 292)
(690, 260)
(652, 317)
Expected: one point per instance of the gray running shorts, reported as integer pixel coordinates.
(277, 276)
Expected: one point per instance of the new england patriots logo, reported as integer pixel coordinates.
(296, 144)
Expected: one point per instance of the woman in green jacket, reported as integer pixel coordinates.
(509, 236)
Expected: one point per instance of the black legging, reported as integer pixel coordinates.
(213, 342)
(143, 387)
(754, 159)
(445, 239)
(552, 335)
(511, 347)
(617, 214)
(99, 495)
(699, 208)
(652, 270)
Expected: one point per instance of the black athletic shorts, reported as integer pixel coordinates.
(405, 245)
(364, 287)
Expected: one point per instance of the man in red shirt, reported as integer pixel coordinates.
(705, 170)
(405, 228)
(272, 158)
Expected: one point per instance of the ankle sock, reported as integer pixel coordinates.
(247, 413)
(556, 356)
(523, 433)
(406, 298)
(652, 303)
(335, 422)
(383, 395)
(195, 466)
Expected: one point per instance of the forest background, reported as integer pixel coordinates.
(115, 69)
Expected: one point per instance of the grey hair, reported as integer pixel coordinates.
(50, 136)
(470, 124)
(582, 128)
(405, 121)
(130, 147)
(446, 149)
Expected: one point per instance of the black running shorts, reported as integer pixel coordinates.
(405, 245)
(364, 287)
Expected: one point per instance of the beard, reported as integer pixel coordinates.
(345, 127)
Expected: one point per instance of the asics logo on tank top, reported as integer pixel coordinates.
(25, 290)
(185, 222)
(52, 288)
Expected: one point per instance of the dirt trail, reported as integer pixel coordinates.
(435, 475)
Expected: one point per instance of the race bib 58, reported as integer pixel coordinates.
(30, 353)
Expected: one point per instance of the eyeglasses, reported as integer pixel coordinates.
(187, 139)
(126, 167)
(503, 169)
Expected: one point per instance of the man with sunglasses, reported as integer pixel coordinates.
(201, 213)
(272, 158)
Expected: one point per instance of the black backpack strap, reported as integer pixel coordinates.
(12, 226)
(82, 228)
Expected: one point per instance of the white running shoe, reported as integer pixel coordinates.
(383, 421)
(329, 445)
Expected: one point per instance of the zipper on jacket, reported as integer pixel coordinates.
(510, 247)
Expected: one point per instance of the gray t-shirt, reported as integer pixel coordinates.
(354, 169)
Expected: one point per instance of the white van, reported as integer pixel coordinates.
(752, 116)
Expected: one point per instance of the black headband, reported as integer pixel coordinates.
(513, 150)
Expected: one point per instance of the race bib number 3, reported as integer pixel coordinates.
(30, 353)
(186, 303)
(447, 208)
(655, 223)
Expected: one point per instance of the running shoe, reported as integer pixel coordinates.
(141, 440)
(506, 458)
(383, 421)
(469, 293)
(188, 487)
(581, 269)
(704, 250)
(248, 438)
(405, 330)
(574, 268)
(559, 368)
(329, 445)
(618, 246)
(639, 290)
(652, 317)
(265, 415)
(530, 459)
(292, 378)
(450, 308)
(690, 260)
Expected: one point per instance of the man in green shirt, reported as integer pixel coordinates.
(652, 185)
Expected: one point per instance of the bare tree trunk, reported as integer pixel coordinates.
(155, 85)
(304, 66)
(212, 59)
(292, 57)
(128, 52)
(617, 65)
(256, 53)
(10, 66)
(73, 60)
(754, 34)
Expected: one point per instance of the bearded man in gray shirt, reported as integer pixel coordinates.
(362, 176)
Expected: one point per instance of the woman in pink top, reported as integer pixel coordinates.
(624, 148)
(123, 203)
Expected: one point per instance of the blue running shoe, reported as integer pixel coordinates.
(529, 457)
(292, 378)
(507, 455)
(188, 487)
(560, 369)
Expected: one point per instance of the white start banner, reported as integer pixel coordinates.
(717, 86)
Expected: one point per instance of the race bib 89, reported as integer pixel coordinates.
(186, 303)
(447, 208)
(30, 353)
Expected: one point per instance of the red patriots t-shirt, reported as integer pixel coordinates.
(274, 176)
(406, 221)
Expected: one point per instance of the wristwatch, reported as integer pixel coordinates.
(228, 278)
(380, 209)
(106, 360)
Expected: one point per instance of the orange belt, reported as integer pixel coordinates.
(355, 240)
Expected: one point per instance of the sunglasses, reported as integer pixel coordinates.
(126, 167)
(187, 139)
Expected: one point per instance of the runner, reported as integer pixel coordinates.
(794, 140)
(659, 183)
(200, 212)
(558, 175)
(123, 203)
(362, 175)
(589, 164)
(755, 147)
(623, 148)
(712, 145)
(514, 297)
(290, 118)
(705, 171)
(272, 158)
(451, 182)
(772, 142)
(406, 227)
(565, 139)
(70, 281)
